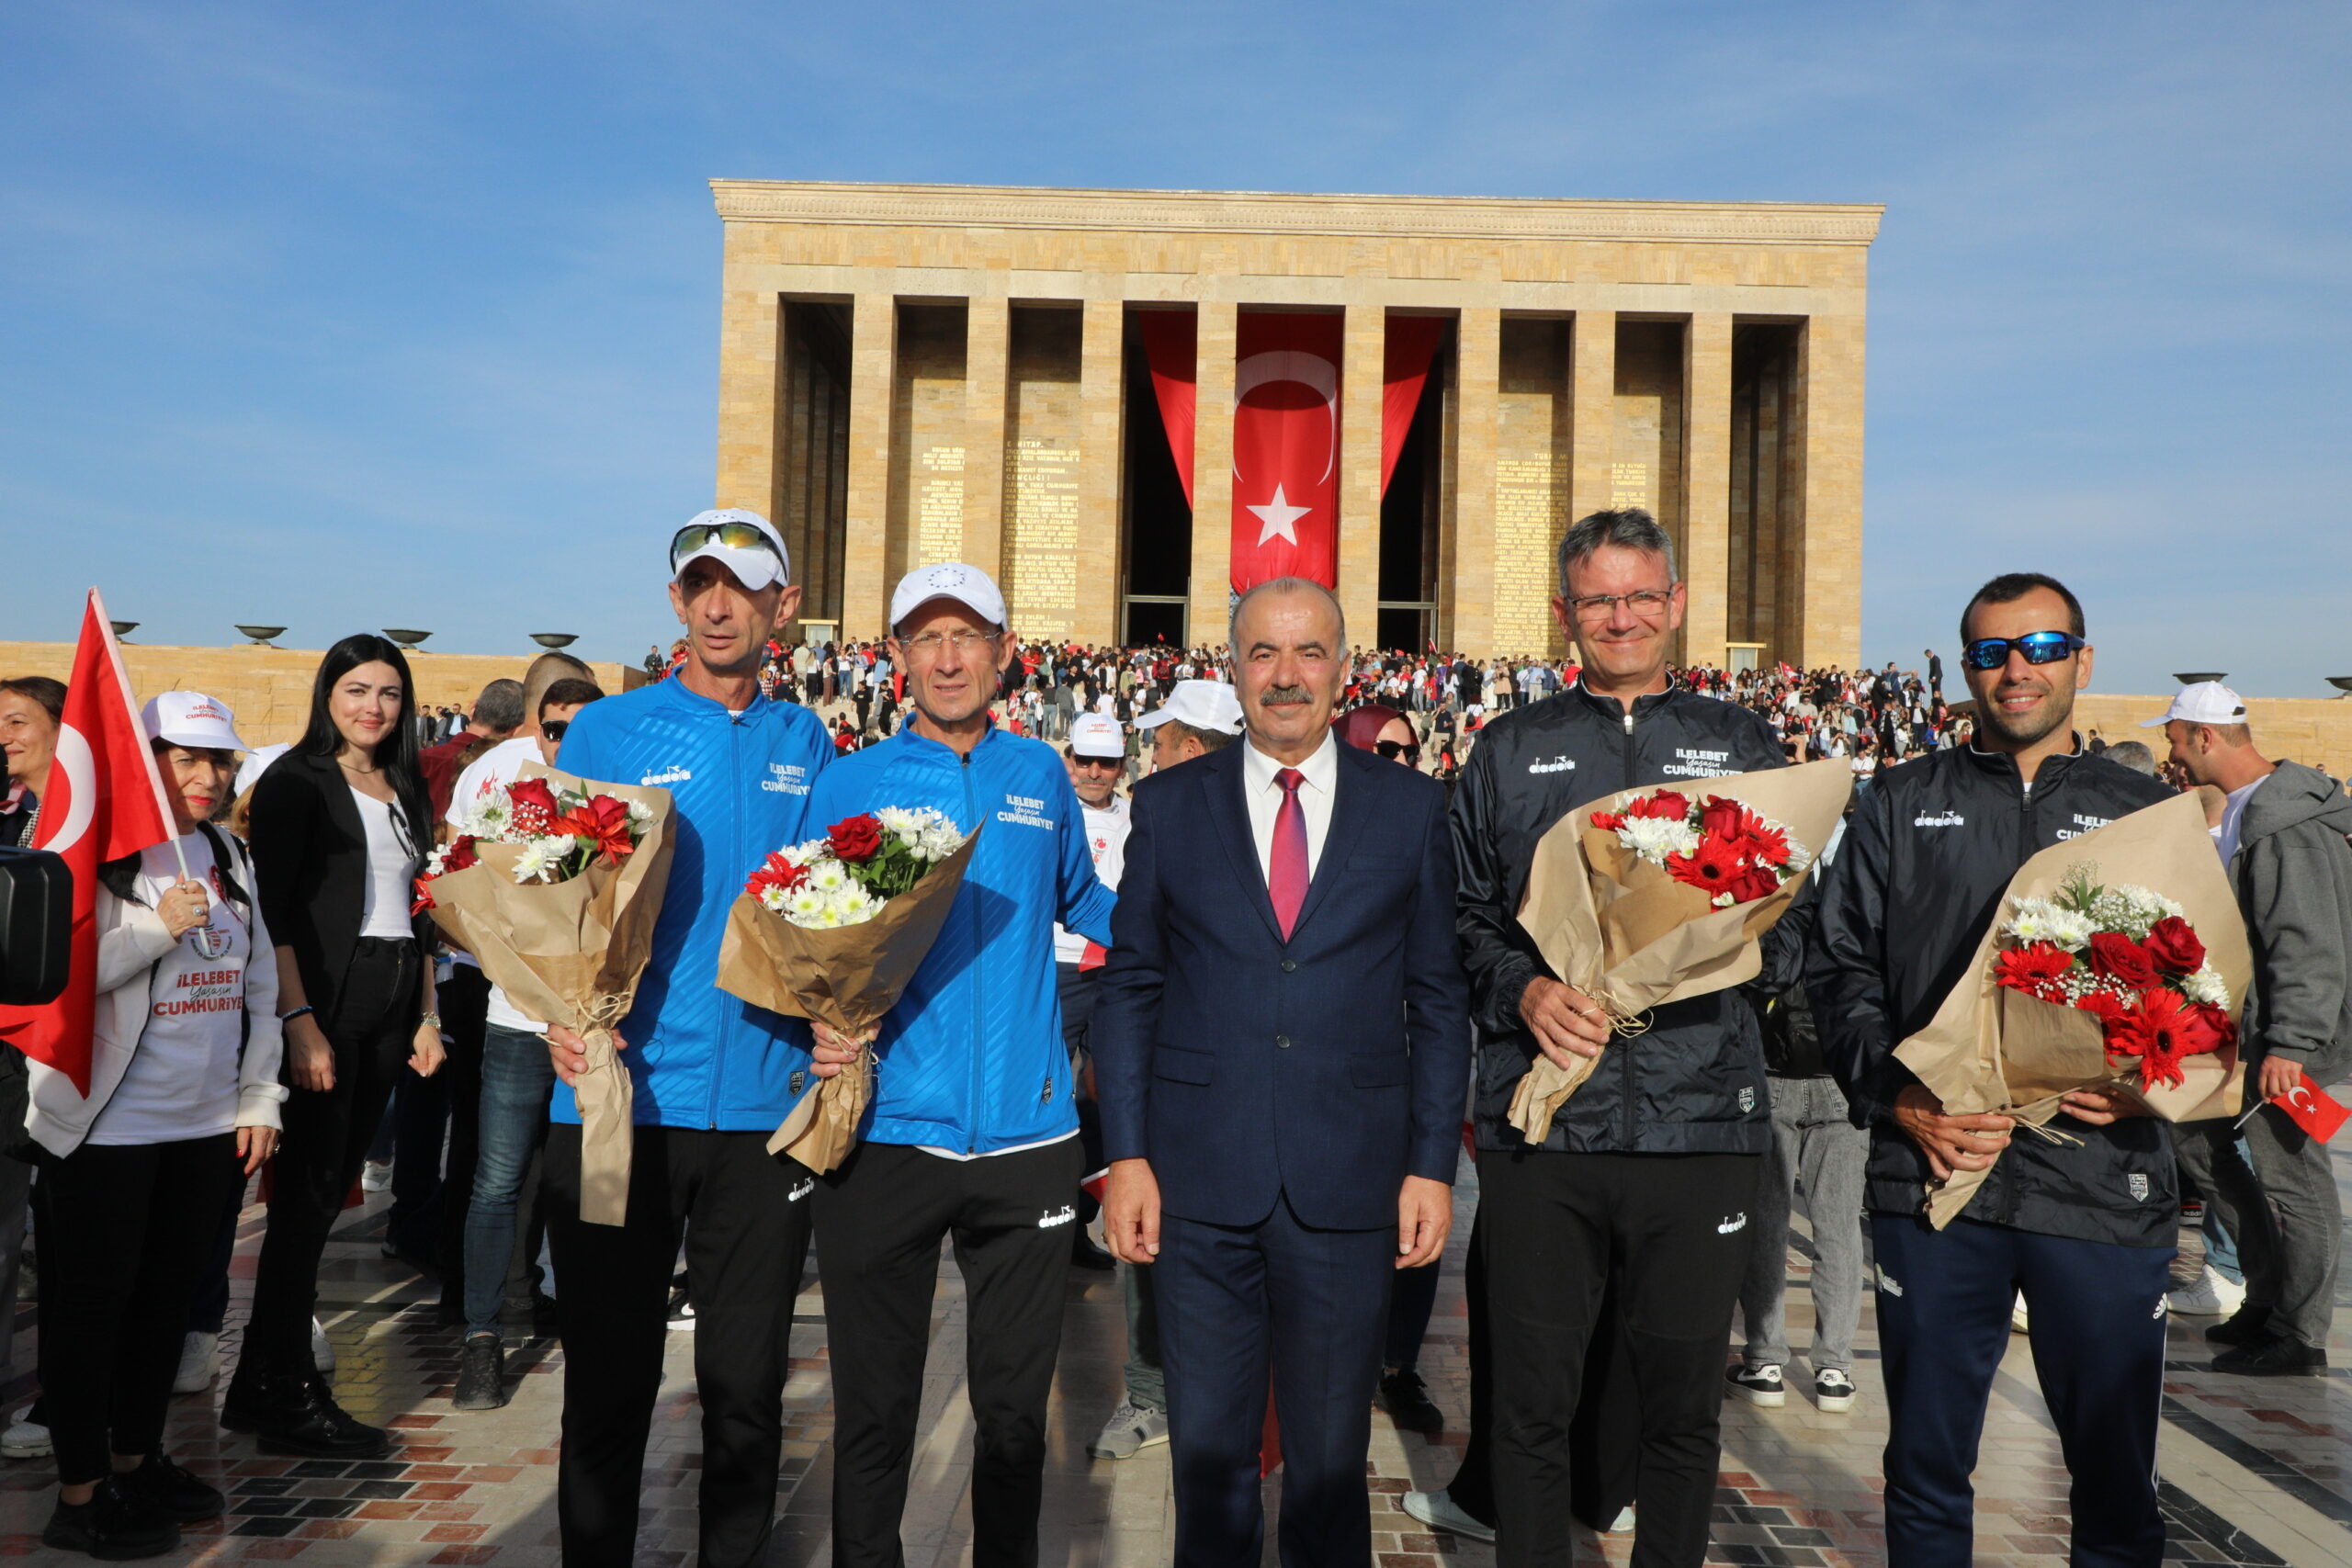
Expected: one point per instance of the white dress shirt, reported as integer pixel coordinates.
(1321, 772)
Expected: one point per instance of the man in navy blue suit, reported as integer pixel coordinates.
(1282, 1057)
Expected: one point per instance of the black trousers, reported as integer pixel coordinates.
(124, 1233)
(435, 1123)
(1674, 1230)
(743, 1215)
(880, 1219)
(325, 1142)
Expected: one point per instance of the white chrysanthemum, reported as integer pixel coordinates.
(639, 813)
(940, 840)
(489, 817)
(2030, 923)
(1655, 838)
(2070, 930)
(804, 906)
(2206, 986)
(541, 856)
(829, 875)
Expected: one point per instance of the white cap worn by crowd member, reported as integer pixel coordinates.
(1203, 704)
(193, 720)
(1094, 735)
(967, 585)
(727, 536)
(2206, 701)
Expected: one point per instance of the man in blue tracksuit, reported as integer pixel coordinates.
(712, 1077)
(974, 1126)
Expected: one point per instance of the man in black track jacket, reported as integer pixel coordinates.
(2082, 1225)
(1654, 1159)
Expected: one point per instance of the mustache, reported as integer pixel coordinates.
(1286, 696)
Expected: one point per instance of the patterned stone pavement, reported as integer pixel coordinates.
(2255, 1472)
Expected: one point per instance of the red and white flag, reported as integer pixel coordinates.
(2312, 1108)
(105, 800)
(1286, 448)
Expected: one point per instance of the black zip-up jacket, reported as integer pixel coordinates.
(1926, 855)
(1695, 1082)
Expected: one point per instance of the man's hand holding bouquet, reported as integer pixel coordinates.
(1655, 895)
(831, 930)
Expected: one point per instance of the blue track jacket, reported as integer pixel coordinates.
(698, 1056)
(971, 1059)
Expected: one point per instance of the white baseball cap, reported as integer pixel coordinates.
(193, 720)
(967, 585)
(2205, 702)
(1094, 735)
(722, 539)
(1203, 704)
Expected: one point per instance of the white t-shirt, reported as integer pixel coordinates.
(391, 887)
(1106, 837)
(486, 775)
(181, 1081)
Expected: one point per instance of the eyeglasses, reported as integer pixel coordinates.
(1392, 749)
(2039, 648)
(1107, 763)
(928, 644)
(1648, 603)
(553, 728)
(735, 536)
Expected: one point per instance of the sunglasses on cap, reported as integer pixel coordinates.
(2039, 648)
(735, 536)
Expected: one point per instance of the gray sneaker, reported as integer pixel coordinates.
(1440, 1512)
(1131, 1428)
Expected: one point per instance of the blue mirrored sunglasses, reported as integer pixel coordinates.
(2039, 648)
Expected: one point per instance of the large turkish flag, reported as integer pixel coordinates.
(1286, 448)
(104, 801)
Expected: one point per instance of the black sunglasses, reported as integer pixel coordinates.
(553, 728)
(2039, 648)
(1391, 749)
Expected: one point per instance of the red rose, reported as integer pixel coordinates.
(2219, 1023)
(1728, 820)
(1758, 881)
(460, 854)
(2119, 958)
(855, 839)
(2173, 943)
(1666, 806)
(2033, 969)
(532, 805)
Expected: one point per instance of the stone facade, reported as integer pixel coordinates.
(1703, 360)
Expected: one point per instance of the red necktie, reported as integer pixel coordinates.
(1286, 872)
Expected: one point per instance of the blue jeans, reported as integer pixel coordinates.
(516, 1078)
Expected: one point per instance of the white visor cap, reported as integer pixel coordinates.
(2206, 701)
(1094, 735)
(967, 585)
(1203, 704)
(193, 720)
(753, 567)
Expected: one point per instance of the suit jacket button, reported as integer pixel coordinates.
(1283, 1042)
(1289, 965)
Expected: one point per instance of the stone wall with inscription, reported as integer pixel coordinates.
(1533, 417)
(1041, 474)
(927, 431)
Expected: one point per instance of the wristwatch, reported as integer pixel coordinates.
(430, 1021)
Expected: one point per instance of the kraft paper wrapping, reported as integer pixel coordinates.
(846, 979)
(1992, 1049)
(571, 955)
(1628, 935)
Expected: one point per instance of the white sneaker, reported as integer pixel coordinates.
(321, 1348)
(199, 1364)
(2018, 1323)
(1623, 1523)
(24, 1438)
(2213, 1296)
(1436, 1510)
(1760, 1386)
(1833, 1390)
(375, 1176)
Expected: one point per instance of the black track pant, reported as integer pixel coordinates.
(1675, 1228)
(124, 1233)
(880, 1219)
(744, 1214)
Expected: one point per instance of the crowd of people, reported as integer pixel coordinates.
(1216, 950)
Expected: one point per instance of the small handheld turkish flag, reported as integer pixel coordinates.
(2312, 1108)
(105, 800)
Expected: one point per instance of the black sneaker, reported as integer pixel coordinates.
(2283, 1358)
(1760, 1386)
(113, 1525)
(681, 1305)
(294, 1413)
(481, 1375)
(168, 1487)
(2250, 1325)
(1407, 1400)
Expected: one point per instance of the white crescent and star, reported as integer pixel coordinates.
(1279, 516)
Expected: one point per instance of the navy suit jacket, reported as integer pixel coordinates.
(1328, 1067)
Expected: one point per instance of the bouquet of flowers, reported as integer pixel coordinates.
(2092, 983)
(554, 885)
(832, 930)
(1651, 895)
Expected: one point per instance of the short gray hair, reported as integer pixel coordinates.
(500, 707)
(1285, 585)
(2134, 755)
(1629, 529)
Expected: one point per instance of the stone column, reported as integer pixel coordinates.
(988, 341)
(1477, 431)
(1212, 586)
(1829, 525)
(1706, 479)
(1101, 402)
(751, 398)
(1592, 374)
(873, 353)
(1362, 364)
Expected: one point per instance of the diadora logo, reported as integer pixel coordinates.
(1026, 810)
(2083, 825)
(1689, 764)
(1555, 765)
(669, 775)
(1733, 1226)
(1945, 819)
(1060, 1216)
(786, 778)
(801, 1191)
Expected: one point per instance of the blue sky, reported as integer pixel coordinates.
(344, 316)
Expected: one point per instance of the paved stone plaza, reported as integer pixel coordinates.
(2255, 1472)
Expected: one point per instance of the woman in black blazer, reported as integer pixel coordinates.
(340, 825)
